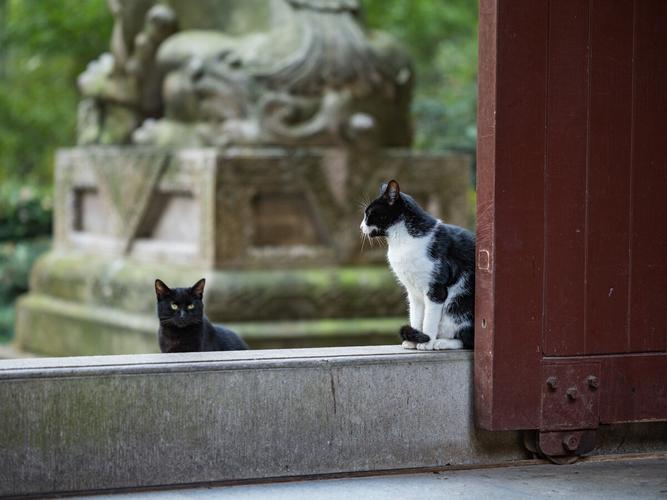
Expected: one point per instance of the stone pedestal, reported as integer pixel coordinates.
(274, 231)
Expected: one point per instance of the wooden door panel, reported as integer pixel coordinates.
(565, 179)
(572, 211)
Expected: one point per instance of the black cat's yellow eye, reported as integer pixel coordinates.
(174, 306)
(191, 306)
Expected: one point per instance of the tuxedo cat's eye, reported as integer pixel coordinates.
(191, 306)
(174, 306)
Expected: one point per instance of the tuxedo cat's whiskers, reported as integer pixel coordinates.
(434, 262)
(365, 201)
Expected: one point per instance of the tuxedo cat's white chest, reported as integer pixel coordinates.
(408, 258)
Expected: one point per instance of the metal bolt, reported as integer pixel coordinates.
(552, 382)
(571, 442)
(593, 382)
(572, 393)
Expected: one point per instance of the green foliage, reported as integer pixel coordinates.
(25, 223)
(16, 260)
(44, 44)
(441, 35)
(25, 212)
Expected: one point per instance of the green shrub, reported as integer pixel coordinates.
(25, 212)
(16, 260)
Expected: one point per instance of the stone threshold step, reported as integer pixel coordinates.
(592, 478)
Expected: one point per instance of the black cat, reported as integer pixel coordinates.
(183, 325)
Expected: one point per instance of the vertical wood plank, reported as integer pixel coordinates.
(606, 301)
(484, 275)
(647, 321)
(565, 178)
(518, 212)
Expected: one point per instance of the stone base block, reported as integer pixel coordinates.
(88, 305)
(53, 327)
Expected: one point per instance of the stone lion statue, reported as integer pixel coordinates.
(188, 73)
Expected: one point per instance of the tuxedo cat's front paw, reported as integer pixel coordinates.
(408, 345)
(426, 346)
(442, 344)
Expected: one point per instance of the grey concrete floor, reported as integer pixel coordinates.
(638, 479)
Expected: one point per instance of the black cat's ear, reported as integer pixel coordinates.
(198, 288)
(391, 192)
(161, 290)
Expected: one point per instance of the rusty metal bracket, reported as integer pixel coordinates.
(570, 396)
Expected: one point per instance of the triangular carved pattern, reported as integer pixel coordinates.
(127, 182)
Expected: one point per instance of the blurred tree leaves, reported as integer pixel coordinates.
(44, 45)
(441, 35)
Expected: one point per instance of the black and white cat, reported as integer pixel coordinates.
(435, 262)
(183, 325)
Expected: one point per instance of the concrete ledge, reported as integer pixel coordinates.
(118, 422)
(76, 424)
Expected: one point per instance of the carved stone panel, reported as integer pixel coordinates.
(241, 208)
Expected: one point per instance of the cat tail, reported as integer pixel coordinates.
(413, 335)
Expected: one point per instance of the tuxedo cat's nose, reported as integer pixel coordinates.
(182, 313)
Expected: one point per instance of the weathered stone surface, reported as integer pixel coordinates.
(231, 296)
(104, 422)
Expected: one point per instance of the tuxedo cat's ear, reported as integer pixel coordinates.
(161, 290)
(392, 192)
(198, 288)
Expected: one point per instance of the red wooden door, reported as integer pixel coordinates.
(571, 326)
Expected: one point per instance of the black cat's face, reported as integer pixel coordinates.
(180, 307)
(383, 212)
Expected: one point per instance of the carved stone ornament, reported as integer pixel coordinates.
(190, 73)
